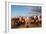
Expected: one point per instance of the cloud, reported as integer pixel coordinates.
(35, 10)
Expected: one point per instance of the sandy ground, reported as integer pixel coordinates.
(27, 25)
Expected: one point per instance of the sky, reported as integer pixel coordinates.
(22, 10)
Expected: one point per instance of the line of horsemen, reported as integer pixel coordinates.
(21, 20)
